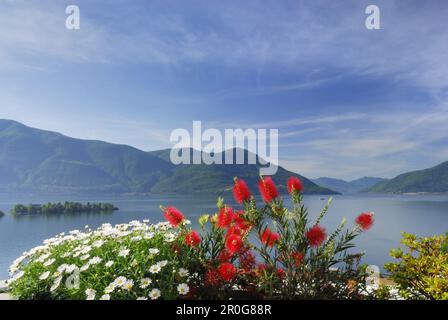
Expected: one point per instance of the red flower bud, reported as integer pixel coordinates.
(241, 191)
(294, 185)
(269, 238)
(173, 216)
(192, 238)
(226, 271)
(316, 236)
(268, 189)
(225, 217)
(234, 243)
(365, 220)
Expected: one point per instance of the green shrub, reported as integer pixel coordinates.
(422, 271)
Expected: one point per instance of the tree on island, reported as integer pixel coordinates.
(62, 208)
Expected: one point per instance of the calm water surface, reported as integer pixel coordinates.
(423, 215)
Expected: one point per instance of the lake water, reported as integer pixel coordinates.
(423, 214)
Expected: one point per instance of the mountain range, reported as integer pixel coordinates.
(432, 180)
(34, 160)
(348, 187)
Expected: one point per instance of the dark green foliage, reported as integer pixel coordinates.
(61, 208)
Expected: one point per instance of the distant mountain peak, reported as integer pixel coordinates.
(431, 180)
(343, 186)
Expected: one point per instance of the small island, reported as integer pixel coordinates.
(62, 208)
(1, 213)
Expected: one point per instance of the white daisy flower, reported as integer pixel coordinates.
(70, 268)
(95, 260)
(110, 288)
(105, 297)
(145, 282)
(128, 285)
(120, 281)
(98, 244)
(109, 264)
(155, 294)
(149, 235)
(85, 257)
(170, 237)
(183, 272)
(124, 252)
(18, 276)
(44, 276)
(86, 249)
(85, 267)
(183, 289)
(49, 262)
(162, 263)
(155, 269)
(154, 251)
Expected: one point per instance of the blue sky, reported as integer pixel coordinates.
(348, 102)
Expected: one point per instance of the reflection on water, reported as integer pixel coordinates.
(423, 215)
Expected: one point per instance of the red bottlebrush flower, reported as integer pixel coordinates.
(316, 236)
(241, 223)
(234, 243)
(280, 273)
(225, 217)
(173, 216)
(269, 238)
(294, 185)
(192, 238)
(234, 230)
(241, 191)
(298, 257)
(226, 271)
(365, 220)
(224, 256)
(211, 278)
(268, 189)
